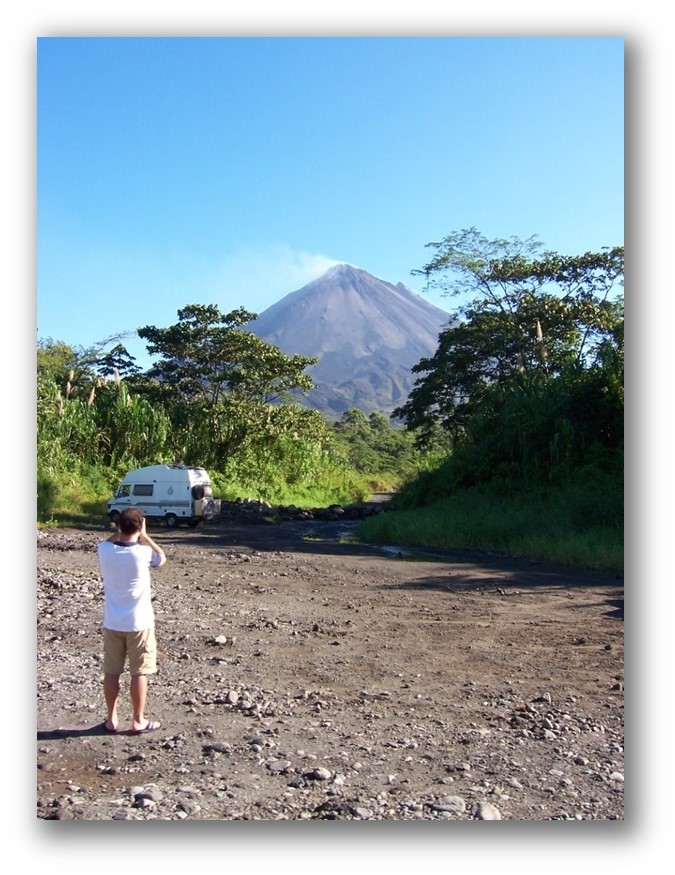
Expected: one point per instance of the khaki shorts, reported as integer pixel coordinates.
(140, 647)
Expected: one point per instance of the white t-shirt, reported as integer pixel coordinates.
(127, 605)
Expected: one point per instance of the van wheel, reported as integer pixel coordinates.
(114, 516)
(171, 520)
(193, 523)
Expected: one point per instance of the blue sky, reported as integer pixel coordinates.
(233, 170)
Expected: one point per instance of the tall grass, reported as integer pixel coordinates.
(326, 484)
(76, 497)
(566, 525)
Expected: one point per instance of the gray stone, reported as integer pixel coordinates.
(486, 811)
(453, 804)
(188, 806)
(151, 792)
(278, 766)
(318, 774)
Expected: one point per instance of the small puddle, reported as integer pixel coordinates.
(342, 533)
(338, 533)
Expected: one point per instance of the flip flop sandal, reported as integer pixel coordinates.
(150, 726)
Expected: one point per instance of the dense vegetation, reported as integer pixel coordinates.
(528, 385)
(512, 438)
(217, 396)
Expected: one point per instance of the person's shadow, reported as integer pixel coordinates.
(77, 732)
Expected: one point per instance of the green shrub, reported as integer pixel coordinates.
(47, 491)
(578, 524)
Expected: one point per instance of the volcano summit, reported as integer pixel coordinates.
(366, 333)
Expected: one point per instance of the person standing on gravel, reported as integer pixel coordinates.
(126, 558)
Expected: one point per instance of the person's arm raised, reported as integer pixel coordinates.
(144, 538)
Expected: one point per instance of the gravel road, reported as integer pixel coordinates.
(306, 677)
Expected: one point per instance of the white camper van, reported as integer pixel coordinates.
(173, 493)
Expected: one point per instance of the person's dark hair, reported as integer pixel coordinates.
(131, 520)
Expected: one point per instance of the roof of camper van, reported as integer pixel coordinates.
(166, 472)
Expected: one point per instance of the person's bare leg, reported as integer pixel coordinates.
(111, 691)
(139, 693)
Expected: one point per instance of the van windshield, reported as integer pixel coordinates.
(123, 491)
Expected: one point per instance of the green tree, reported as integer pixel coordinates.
(217, 381)
(67, 366)
(116, 361)
(207, 356)
(530, 319)
(375, 446)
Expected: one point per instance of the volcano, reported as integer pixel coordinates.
(366, 333)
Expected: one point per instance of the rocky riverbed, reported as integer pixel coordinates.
(305, 677)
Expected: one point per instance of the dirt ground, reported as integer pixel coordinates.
(304, 677)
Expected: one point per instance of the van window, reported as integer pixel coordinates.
(142, 488)
(123, 491)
